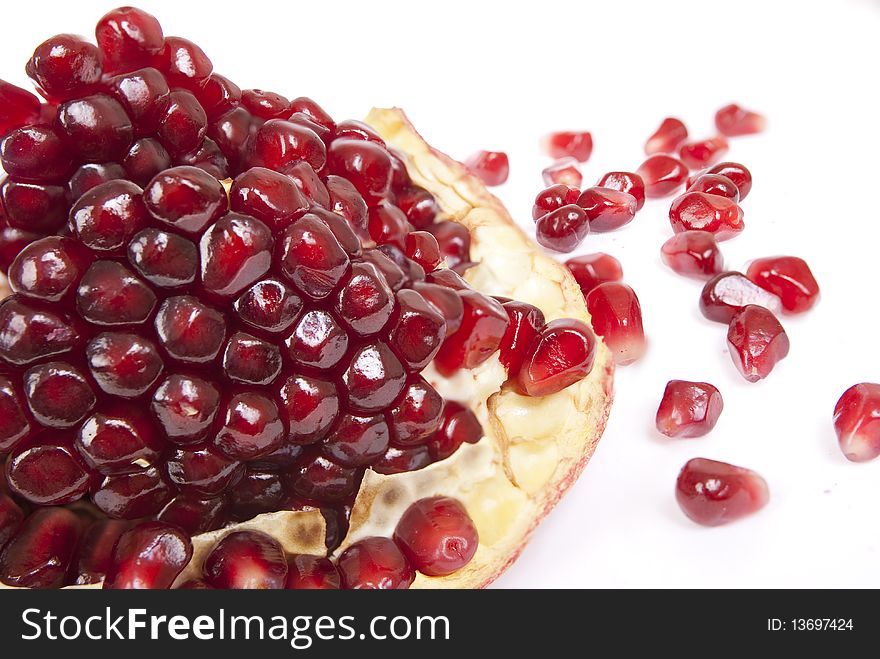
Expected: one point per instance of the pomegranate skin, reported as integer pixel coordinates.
(857, 422)
(713, 493)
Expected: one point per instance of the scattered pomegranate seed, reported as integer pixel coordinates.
(667, 138)
(688, 409)
(305, 572)
(713, 493)
(741, 177)
(662, 175)
(491, 167)
(564, 229)
(564, 172)
(789, 278)
(703, 153)
(628, 182)
(616, 316)
(714, 184)
(693, 253)
(246, 560)
(698, 211)
(568, 144)
(590, 270)
(437, 536)
(607, 209)
(150, 555)
(375, 564)
(42, 551)
(561, 355)
(728, 293)
(757, 342)
(733, 120)
(553, 198)
(857, 422)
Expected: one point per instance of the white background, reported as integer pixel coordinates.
(476, 75)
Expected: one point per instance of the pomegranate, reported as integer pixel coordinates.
(713, 493)
(491, 167)
(437, 536)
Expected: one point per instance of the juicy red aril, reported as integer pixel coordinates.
(230, 131)
(203, 471)
(357, 440)
(12, 241)
(483, 326)
(662, 175)
(47, 269)
(357, 130)
(14, 424)
(43, 549)
(265, 104)
(193, 513)
(34, 206)
(183, 125)
(564, 229)
(11, 517)
(607, 209)
(668, 137)
(387, 224)
(554, 197)
(189, 330)
(419, 330)
(417, 204)
(563, 172)
(688, 409)
(693, 253)
(714, 184)
(444, 300)
(423, 248)
(150, 555)
(306, 572)
(366, 302)
(18, 107)
(278, 144)
(317, 341)
(28, 334)
(738, 174)
(58, 395)
(398, 460)
(208, 157)
(235, 252)
(251, 428)
(184, 407)
(374, 378)
(526, 321)
(91, 175)
(129, 496)
(144, 160)
(314, 111)
(491, 167)
(698, 211)
(627, 182)
(246, 559)
(437, 536)
(733, 120)
(787, 277)
(460, 425)
(106, 217)
(713, 493)
(256, 493)
(365, 164)
(269, 305)
(728, 293)
(857, 422)
(109, 294)
(186, 198)
(310, 406)
(268, 196)
(590, 270)
(316, 477)
(128, 38)
(577, 145)
(250, 360)
(417, 415)
(35, 153)
(47, 474)
(123, 364)
(164, 259)
(311, 257)
(145, 96)
(65, 66)
(375, 564)
(95, 553)
(703, 153)
(184, 63)
(118, 439)
(616, 315)
(757, 342)
(218, 95)
(455, 243)
(96, 128)
(561, 355)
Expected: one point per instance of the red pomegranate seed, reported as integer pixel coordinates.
(738, 174)
(688, 409)
(278, 144)
(184, 63)
(398, 460)
(128, 38)
(11, 517)
(47, 474)
(444, 300)
(118, 439)
(252, 427)
(418, 205)
(388, 225)
(306, 572)
(250, 360)
(422, 247)
(357, 130)
(460, 425)
(42, 550)
(183, 125)
(616, 315)
(28, 334)
(698, 211)
(525, 322)
(560, 356)
(145, 96)
(48, 269)
(365, 164)
(269, 305)
(437, 536)
(577, 145)
(789, 278)
(58, 394)
(714, 184)
(12, 241)
(96, 128)
(703, 153)
(310, 108)
(64, 67)
(375, 564)
(203, 471)
(357, 440)
(733, 120)
(105, 218)
(318, 340)
(207, 157)
(311, 257)
(668, 137)
(150, 555)
(218, 95)
(18, 107)
(757, 342)
(607, 209)
(662, 175)
(564, 229)
(419, 330)
(265, 104)
(14, 423)
(590, 270)
(189, 330)
(728, 293)
(482, 330)
(256, 493)
(316, 477)
(95, 553)
(375, 377)
(693, 253)
(123, 364)
(627, 182)
(713, 493)
(553, 198)
(184, 407)
(235, 252)
(563, 172)
(34, 206)
(35, 153)
(194, 514)
(857, 422)
(417, 415)
(144, 160)
(491, 167)
(91, 175)
(455, 243)
(246, 560)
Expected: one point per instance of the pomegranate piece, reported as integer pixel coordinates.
(563, 172)
(590, 270)
(40, 554)
(733, 120)
(714, 184)
(150, 555)
(693, 253)
(306, 572)
(627, 182)
(553, 198)
(128, 38)
(482, 330)
(757, 342)
(738, 174)
(460, 425)
(11, 517)
(437, 536)
(713, 493)
(616, 315)
(607, 209)
(246, 560)
(698, 211)
(728, 293)
(18, 107)
(564, 229)
(662, 175)
(65, 66)
(787, 277)
(375, 564)
(525, 322)
(857, 422)
(703, 153)
(491, 167)
(688, 409)
(95, 552)
(569, 144)
(561, 355)
(668, 137)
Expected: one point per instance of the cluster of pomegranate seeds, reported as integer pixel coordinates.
(569, 144)
(857, 422)
(713, 493)
(491, 167)
(688, 409)
(733, 120)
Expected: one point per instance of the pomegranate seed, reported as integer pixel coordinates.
(563, 172)
(607, 209)
(57, 394)
(418, 205)
(703, 153)
(357, 130)
(96, 128)
(42, 551)
(553, 198)
(316, 477)
(357, 440)
(128, 38)
(437, 536)
(375, 564)
(698, 211)
(251, 428)
(693, 253)
(738, 174)
(95, 553)
(123, 364)
(525, 322)
(269, 305)
(145, 96)
(422, 247)
(757, 342)
(108, 294)
(218, 95)
(728, 293)
(47, 474)
(133, 495)
(48, 269)
(318, 340)
(118, 439)
(491, 167)
(256, 493)
(183, 125)
(455, 243)
(35, 153)
(732, 120)
(387, 224)
(715, 184)
(311, 257)
(305, 572)
(235, 252)
(194, 514)
(418, 414)
(18, 107)
(11, 517)
(418, 332)
(64, 67)
(560, 356)
(398, 460)
(184, 63)
(564, 229)
(616, 315)
(483, 327)
(106, 217)
(91, 175)
(662, 175)
(627, 182)
(184, 407)
(278, 144)
(265, 104)
(14, 423)
(569, 144)
(590, 270)
(250, 360)
(689, 409)
(713, 493)
(150, 555)
(444, 300)
(246, 560)
(374, 378)
(33, 206)
(12, 241)
(144, 160)
(190, 331)
(365, 164)
(28, 334)
(186, 198)
(203, 471)
(667, 138)
(857, 422)
(789, 278)
(314, 111)
(460, 425)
